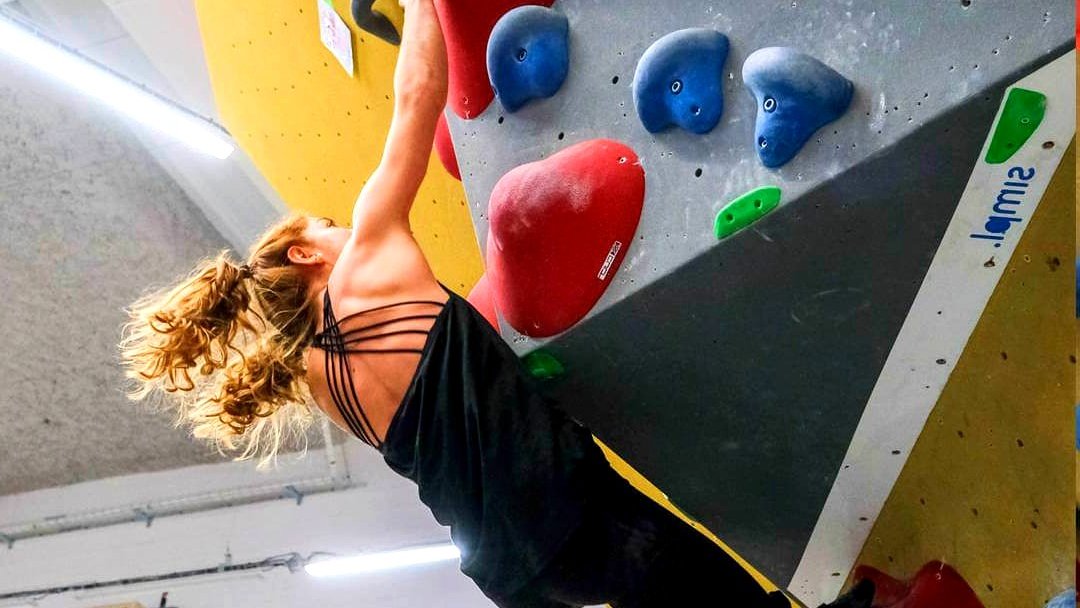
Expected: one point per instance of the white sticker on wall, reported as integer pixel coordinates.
(609, 260)
(335, 35)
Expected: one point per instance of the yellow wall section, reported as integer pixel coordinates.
(986, 486)
(644, 486)
(315, 133)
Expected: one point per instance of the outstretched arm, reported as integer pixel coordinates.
(420, 84)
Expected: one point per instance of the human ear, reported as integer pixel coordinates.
(301, 255)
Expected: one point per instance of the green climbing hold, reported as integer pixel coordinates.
(543, 365)
(746, 210)
(1023, 112)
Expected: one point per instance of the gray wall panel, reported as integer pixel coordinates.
(733, 374)
(736, 382)
(910, 61)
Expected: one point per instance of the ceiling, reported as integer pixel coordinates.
(93, 210)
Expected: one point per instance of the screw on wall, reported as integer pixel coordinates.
(144, 515)
(290, 491)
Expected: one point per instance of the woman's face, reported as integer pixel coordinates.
(327, 238)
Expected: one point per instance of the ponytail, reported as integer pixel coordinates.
(226, 347)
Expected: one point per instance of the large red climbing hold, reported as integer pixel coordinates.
(483, 301)
(466, 26)
(935, 585)
(444, 148)
(559, 229)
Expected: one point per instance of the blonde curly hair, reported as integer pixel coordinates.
(242, 330)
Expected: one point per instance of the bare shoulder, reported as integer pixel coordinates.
(387, 270)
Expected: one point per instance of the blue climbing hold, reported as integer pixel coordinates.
(796, 95)
(679, 81)
(528, 55)
(1066, 599)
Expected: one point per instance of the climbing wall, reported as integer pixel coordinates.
(750, 379)
(315, 132)
(735, 374)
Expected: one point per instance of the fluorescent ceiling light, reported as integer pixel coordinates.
(388, 560)
(95, 81)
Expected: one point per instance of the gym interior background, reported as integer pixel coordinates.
(871, 374)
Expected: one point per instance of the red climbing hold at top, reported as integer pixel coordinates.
(466, 26)
(444, 148)
(559, 229)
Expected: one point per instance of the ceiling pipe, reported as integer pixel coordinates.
(292, 561)
(148, 512)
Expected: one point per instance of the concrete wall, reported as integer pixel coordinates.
(87, 221)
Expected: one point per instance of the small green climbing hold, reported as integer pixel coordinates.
(541, 364)
(1023, 112)
(746, 210)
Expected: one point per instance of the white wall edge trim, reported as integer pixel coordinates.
(911, 380)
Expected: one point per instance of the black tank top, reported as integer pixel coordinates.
(499, 463)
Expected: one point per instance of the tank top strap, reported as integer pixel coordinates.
(338, 340)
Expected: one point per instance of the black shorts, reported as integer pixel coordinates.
(632, 553)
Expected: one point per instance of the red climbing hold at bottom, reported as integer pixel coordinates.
(444, 147)
(559, 229)
(482, 300)
(936, 585)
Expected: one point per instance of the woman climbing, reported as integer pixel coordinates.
(356, 319)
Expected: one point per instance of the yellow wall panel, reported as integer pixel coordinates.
(986, 488)
(646, 487)
(315, 133)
